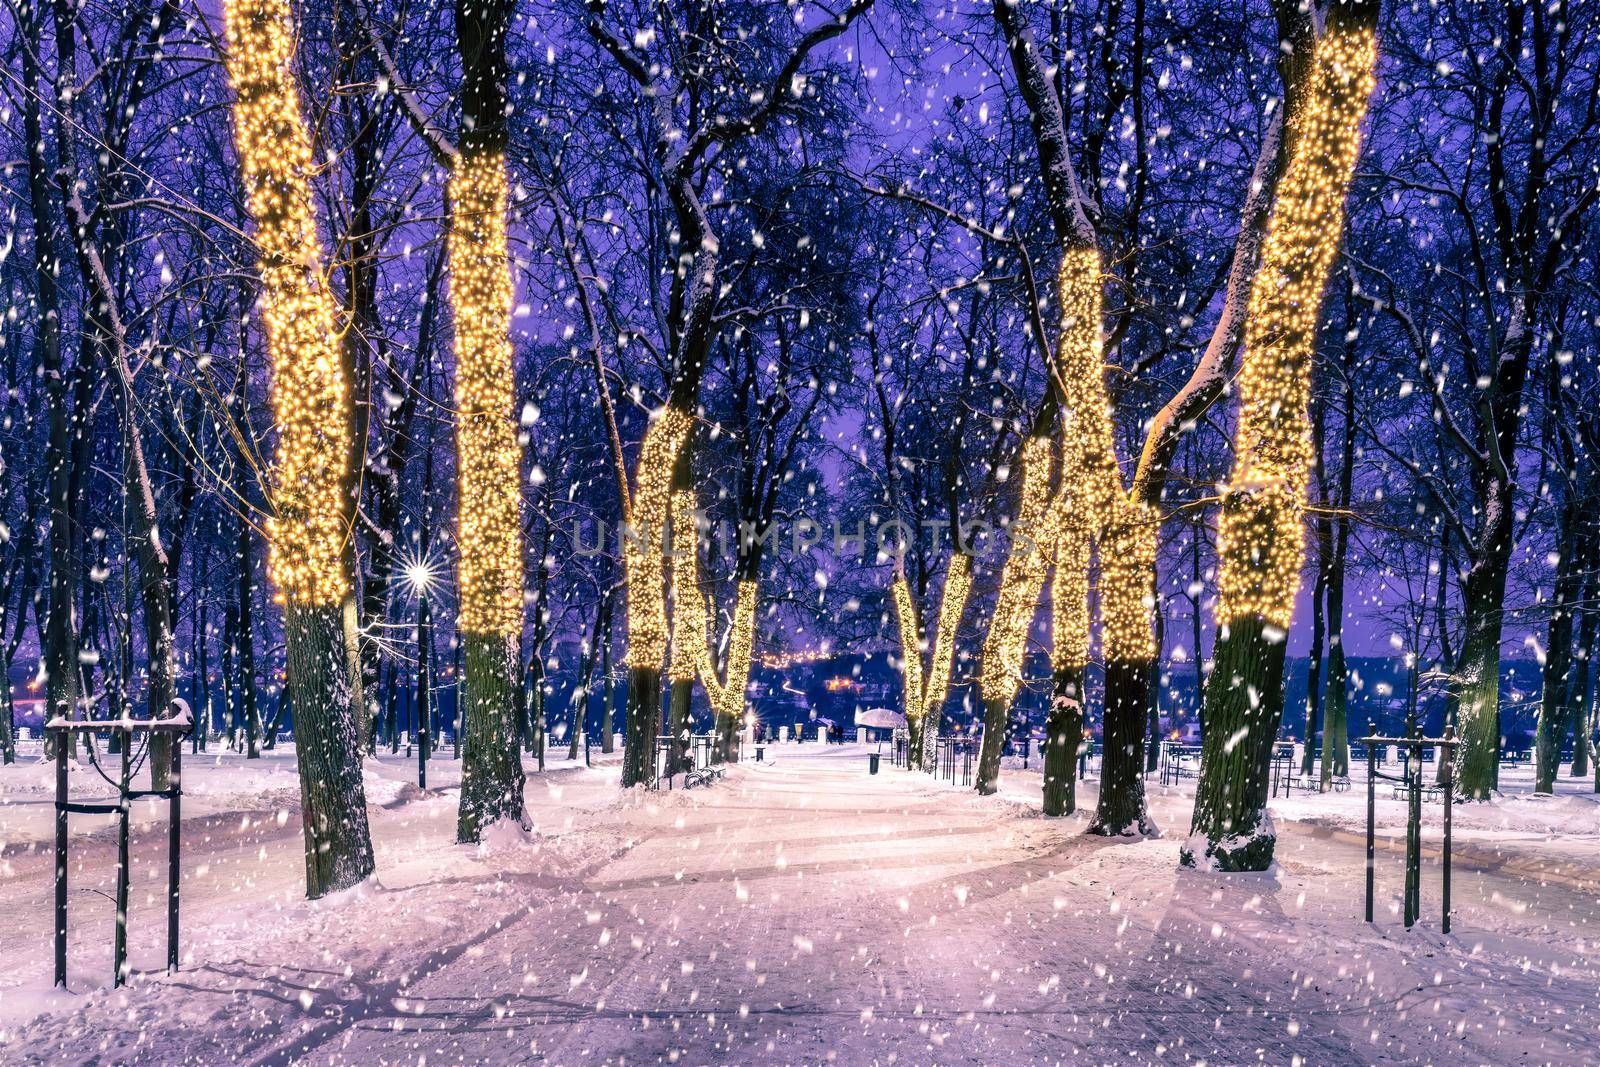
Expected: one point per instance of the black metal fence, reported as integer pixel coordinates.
(61, 734)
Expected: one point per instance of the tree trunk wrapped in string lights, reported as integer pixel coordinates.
(727, 695)
(925, 691)
(1127, 594)
(691, 654)
(490, 534)
(311, 403)
(1069, 632)
(1124, 531)
(1261, 537)
(488, 455)
(1021, 581)
(647, 600)
(905, 607)
(688, 625)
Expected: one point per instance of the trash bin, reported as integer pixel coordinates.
(872, 763)
(761, 751)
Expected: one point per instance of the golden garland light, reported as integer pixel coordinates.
(691, 653)
(957, 584)
(910, 647)
(486, 434)
(927, 693)
(642, 549)
(1127, 584)
(727, 697)
(1089, 461)
(1021, 579)
(688, 651)
(1261, 539)
(1069, 597)
(1091, 480)
(780, 661)
(307, 528)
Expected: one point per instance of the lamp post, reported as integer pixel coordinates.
(419, 576)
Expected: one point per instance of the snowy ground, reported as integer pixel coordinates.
(800, 911)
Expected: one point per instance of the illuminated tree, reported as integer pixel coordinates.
(925, 689)
(1021, 580)
(486, 434)
(307, 528)
(688, 624)
(1261, 539)
(680, 145)
(691, 655)
(643, 555)
(1069, 610)
(1124, 530)
(1121, 525)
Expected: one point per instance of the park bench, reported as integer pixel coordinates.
(1429, 792)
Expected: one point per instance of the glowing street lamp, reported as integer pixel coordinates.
(420, 577)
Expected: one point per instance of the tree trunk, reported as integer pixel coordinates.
(311, 505)
(681, 692)
(245, 653)
(491, 771)
(996, 719)
(1308, 758)
(608, 699)
(1336, 695)
(1336, 704)
(1261, 533)
(1244, 704)
(914, 728)
(59, 637)
(1579, 695)
(1152, 749)
(1554, 700)
(932, 722)
(391, 706)
(1475, 694)
(644, 713)
(578, 702)
(333, 802)
(8, 723)
(1063, 733)
(726, 749)
(486, 435)
(1121, 810)
(1336, 698)
(230, 686)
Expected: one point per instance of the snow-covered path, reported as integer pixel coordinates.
(800, 911)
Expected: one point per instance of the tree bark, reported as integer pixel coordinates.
(1121, 810)
(681, 692)
(491, 767)
(338, 848)
(1063, 734)
(1475, 692)
(996, 721)
(644, 714)
(1244, 703)
(1580, 693)
(491, 543)
(608, 699)
(1554, 700)
(1336, 697)
(244, 652)
(59, 636)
